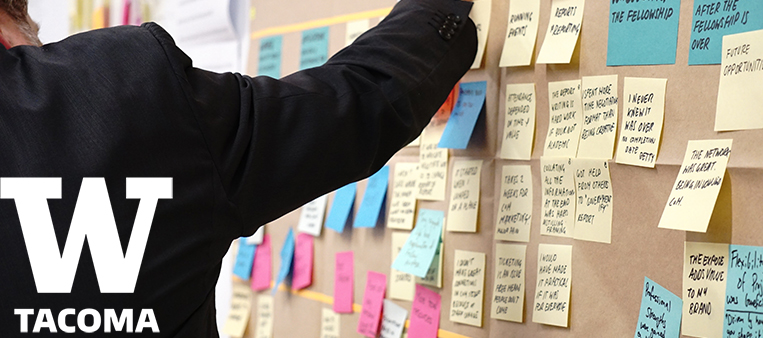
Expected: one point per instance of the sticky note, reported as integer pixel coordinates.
(741, 79)
(373, 300)
(303, 262)
(519, 122)
(425, 314)
(714, 19)
(593, 212)
(265, 317)
(743, 292)
(692, 200)
(552, 294)
(315, 48)
(311, 218)
(470, 104)
(341, 208)
(705, 276)
(643, 32)
(373, 199)
(330, 324)
(344, 275)
(558, 186)
(643, 113)
(401, 284)
(515, 204)
(262, 268)
(521, 31)
(600, 110)
(464, 196)
(403, 204)
(244, 259)
(257, 237)
(468, 289)
(287, 255)
(563, 31)
(433, 168)
(480, 14)
(270, 57)
(418, 251)
(509, 286)
(355, 29)
(393, 321)
(565, 119)
(433, 277)
(240, 306)
(660, 314)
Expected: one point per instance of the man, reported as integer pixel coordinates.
(112, 138)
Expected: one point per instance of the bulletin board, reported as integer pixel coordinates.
(607, 279)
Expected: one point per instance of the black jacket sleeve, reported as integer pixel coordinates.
(278, 144)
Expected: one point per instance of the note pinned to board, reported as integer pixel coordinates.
(344, 275)
(269, 63)
(393, 321)
(743, 292)
(425, 314)
(341, 208)
(330, 324)
(519, 122)
(480, 14)
(287, 256)
(692, 200)
(559, 198)
(643, 33)
(515, 211)
(509, 286)
(265, 317)
(262, 272)
(600, 111)
(311, 218)
(643, 113)
(402, 206)
(355, 29)
(419, 250)
(315, 48)
(741, 79)
(660, 314)
(565, 119)
(463, 118)
(563, 31)
(705, 276)
(373, 199)
(464, 196)
(433, 167)
(240, 306)
(244, 259)
(593, 213)
(521, 33)
(552, 295)
(713, 20)
(373, 301)
(303, 262)
(468, 290)
(401, 284)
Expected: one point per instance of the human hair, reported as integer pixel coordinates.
(16, 9)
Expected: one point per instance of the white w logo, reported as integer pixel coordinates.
(93, 218)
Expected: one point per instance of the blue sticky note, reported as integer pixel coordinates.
(643, 32)
(315, 48)
(373, 199)
(458, 131)
(419, 250)
(287, 255)
(715, 18)
(744, 292)
(270, 57)
(660, 314)
(344, 199)
(244, 259)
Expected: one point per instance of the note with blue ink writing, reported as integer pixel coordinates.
(287, 255)
(244, 259)
(373, 199)
(419, 250)
(341, 208)
(315, 48)
(714, 19)
(660, 314)
(643, 32)
(471, 101)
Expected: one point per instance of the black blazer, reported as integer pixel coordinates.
(126, 102)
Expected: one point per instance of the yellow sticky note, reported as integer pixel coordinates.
(522, 29)
(464, 196)
(558, 202)
(599, 98)
(693, 197)
(704, 289)
(643, 112)
(509, 286)
(330, 327)
(519, 122)
(565, 119)
(468, 288)
(741, 79)
(433, 166)
(552, 294)
(563, 31)
(593, 213)
(265, 313)
(355, 29)
(515, 206)
(240, 307)
(402, 286)
(480, 14)
(403, 204)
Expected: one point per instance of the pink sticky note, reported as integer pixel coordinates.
(261, 269)
(343, 282)
(373, 300)
(303, 262)
(425, 316)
